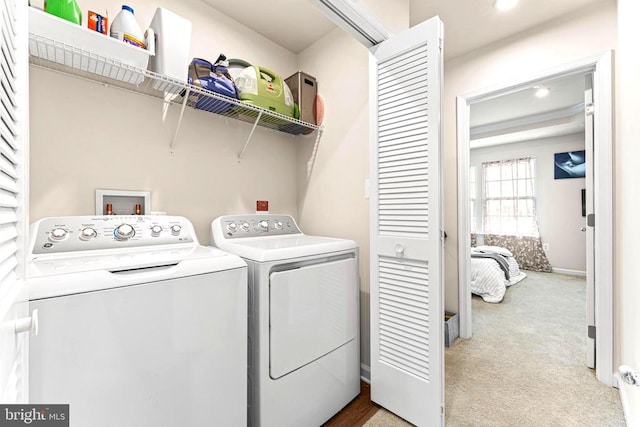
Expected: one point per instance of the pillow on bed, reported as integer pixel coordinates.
(495, 249)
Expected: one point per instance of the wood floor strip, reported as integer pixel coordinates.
(356, 413)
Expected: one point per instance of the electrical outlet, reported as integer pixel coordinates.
(545, 247)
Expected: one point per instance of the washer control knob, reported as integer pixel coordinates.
(278, 225)
(58, 234)
(245, 226)
(232, 227)
(124, 232)
(88, 233)
(156, 230)
(262, 225)
(176, 229)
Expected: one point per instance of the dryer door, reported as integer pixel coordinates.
(313, 311)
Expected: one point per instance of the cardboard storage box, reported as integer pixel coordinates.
(304, 89)
(451, 328)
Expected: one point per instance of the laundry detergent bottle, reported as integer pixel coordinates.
(65, 9)
(125, 27)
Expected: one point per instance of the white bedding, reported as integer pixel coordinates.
(515, 274)
(487, 278)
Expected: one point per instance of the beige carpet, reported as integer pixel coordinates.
(525, 363)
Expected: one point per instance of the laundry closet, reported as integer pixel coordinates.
(86, 136)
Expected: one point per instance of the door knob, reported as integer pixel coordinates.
(583, 229)
(27, 324)
(399, 249)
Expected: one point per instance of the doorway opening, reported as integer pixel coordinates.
(601, 69)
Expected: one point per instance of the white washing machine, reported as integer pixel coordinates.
(304, 349)
(139, 325)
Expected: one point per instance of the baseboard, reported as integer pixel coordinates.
(629, 394)
(569, 272)
(365, 373)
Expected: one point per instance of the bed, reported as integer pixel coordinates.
(493, 270)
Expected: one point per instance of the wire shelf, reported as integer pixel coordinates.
(51, 54)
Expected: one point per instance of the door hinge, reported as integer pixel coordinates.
(589, 109)
(591, 220)
(591, 332)
(440, 44)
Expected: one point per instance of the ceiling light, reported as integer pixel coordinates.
(503, 5)
(541, 91)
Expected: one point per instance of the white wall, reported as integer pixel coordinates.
(393, 15)
(558, 201)
(331, 198)
(85, 136)
(627, 196)
(584, 34)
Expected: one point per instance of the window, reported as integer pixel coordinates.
(509, 197)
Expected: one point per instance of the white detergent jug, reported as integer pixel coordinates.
(125, 27)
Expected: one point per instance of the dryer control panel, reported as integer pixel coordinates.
(85, 233)
(258, 225)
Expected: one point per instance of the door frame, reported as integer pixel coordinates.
(602, 68)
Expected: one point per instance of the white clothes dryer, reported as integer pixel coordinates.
(304, 341)
(139, 325)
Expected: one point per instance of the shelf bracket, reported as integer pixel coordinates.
(166, 104)
(314, 153)
(253, 129)
(319, 134)
(172, 144)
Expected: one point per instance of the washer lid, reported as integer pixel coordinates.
(131, 259)
(79, 274)
(273, 248)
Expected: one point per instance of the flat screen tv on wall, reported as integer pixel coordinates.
(571, 164)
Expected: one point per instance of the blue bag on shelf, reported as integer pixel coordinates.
(214, 78)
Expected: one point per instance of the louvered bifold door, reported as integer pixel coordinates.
(406, 248)
(13, 145)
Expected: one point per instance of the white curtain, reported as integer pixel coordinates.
(509, 211)
(509, 206)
